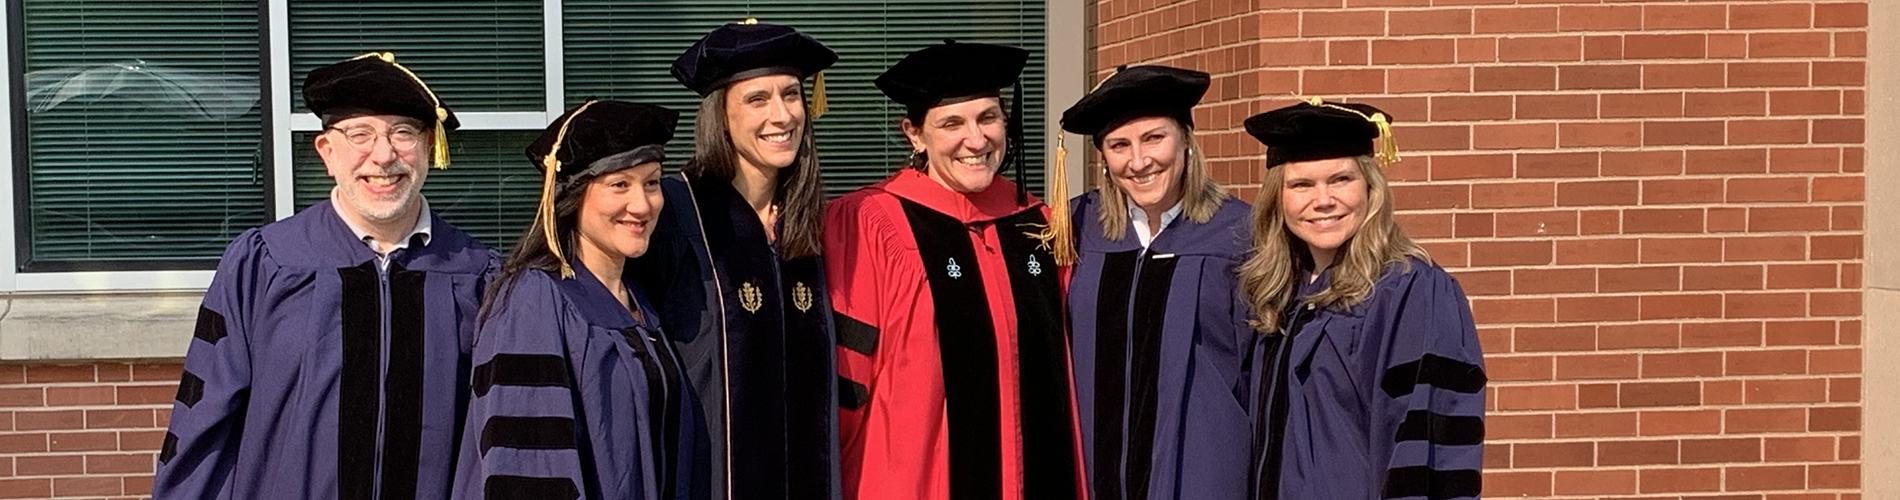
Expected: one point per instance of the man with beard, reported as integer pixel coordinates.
(330, 358)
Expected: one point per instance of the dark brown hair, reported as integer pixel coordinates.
(800, 191)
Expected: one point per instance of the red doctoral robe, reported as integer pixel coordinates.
(954, 369)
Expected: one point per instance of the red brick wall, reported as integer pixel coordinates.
(82, 431)
(1655, 207)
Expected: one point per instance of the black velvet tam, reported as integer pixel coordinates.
(1137, 92)
(371, 86)
(952, 72)
(739, 51)
(1305, 132)
(602, 129)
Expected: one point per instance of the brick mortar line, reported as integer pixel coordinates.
(1512, 64)
(1667, 437)
(101, 406)
(147, 383)
(1166, 32)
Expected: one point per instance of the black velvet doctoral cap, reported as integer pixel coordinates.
(1309, 131)
(373, 84)
(952, 72)
(738, 51)
(600, 130)
(1137, 92)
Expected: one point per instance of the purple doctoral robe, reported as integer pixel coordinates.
(574, 397)
(315, 373)
(1161, 338)
(1383, 400)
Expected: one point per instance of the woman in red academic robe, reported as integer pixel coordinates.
(953, 365)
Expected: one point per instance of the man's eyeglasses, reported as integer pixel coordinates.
(402, 138)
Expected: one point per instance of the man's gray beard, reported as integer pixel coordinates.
(358, 203)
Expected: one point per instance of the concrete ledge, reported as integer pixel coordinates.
(97, 327)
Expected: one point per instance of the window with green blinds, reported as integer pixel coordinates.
(142, 145)
(477, 55)
(624, 50)
(491, 190)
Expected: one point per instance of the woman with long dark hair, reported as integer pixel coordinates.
(1159, 330)
(575, 392)
(1370, 379)
(736, 273)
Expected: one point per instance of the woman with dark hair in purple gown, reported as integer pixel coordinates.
(575, 392)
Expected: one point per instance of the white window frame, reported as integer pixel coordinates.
(1064, 24)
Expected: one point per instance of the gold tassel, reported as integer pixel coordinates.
(1059, 217)
(441, 152)
(440, 157)
(1388, 150)
(544, 215)
(819, 104)
(1056, 235)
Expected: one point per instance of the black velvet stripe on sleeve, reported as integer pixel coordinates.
(529, 488)
(1436, 371)
(169, 449)
(191, 389)
(852, 395)
(210, 326)
(1423, 425)
(966, 340)
(402, 389)
(528, 433)
(359, 402)
(1049, 454)
(1111, 369)
(520, 370)
(1406, 482)
(1150, 315)
(855, 335)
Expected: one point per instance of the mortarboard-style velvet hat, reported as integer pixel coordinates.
(1137, 92)
(595, 138)
(952, 72)
(749, 49)
(1319, 130)
(373, 84)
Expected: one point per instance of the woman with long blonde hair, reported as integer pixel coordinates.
(1370, 381)
(1158, 332)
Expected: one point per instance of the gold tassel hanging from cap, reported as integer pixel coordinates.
(1058, 235)
(440, 156)
(1059, 216)
(544, 215)
(819, 104)
(1386, 151)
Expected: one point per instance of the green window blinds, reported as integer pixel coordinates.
(624, 50)
(143, 145)
(479, 56)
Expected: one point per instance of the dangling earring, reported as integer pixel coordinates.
(918, 161)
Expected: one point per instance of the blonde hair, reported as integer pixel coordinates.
(1201, 196)
(1271, 276)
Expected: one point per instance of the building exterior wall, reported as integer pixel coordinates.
(82, 430)
(1655, 207)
